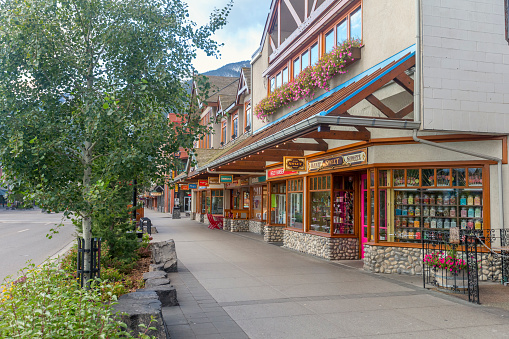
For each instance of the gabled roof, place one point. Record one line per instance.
(225, 102)
(244, 83)
(322, 109)
(221, 85)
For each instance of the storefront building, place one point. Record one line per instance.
(398, 144)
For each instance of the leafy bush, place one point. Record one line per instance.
(47, 303)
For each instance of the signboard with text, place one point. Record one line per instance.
(223, 178)
(213, 180)
(203, 182)
(193, 186)
(294, 164)
(354, 158)
(184, 187)
(279, 172)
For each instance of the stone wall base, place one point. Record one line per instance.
(327, 248)
(193, 215)
(236, 225)
(257, 227)
(382, 259)
(201, 218)
(273, 233)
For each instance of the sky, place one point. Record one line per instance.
(241, 36)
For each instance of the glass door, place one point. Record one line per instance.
(364, 212)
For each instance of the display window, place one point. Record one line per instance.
(203, 202)
(295, 203)
(259, 203)
(320, 203)
(278, 203)
(343, 220)
(217, 202)
(429, 198)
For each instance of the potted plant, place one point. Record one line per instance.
(450, 271)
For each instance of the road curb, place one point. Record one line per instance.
(63, 251)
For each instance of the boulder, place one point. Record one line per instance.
(164, 253)
(139, 308)
(154, 275)
(167, 294)
(155, 267)
(156, 282)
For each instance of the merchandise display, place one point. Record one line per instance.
(440, 209)
(343, 219)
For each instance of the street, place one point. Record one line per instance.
(23, 238)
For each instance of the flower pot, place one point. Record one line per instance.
(446, 279)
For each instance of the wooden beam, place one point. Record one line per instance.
(405, 111)
(301, 146)
(293, 12)
(380, 106)
(373, 87)
(339, 135)
(282, 151)
(406, 82)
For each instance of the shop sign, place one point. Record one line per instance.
(244, 182)
(156, 194)
(344, 160)
(213, 180)
(177, 188)
(184, 187)
(279, 172)
(203, 183)
(193, 186)
(225, 178)
(232, 184)
(258, 180)
(294, 164)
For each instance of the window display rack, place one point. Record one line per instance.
(343, 212)
(320, 212)
(441, 209)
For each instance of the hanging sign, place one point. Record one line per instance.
(203, 183)
(294, 164)
(257, 180)
(244, 182)
(213, 180)
(355, 158)
(184, 187)
(279, 172)
(234, 183)
(156, 194)
(193, 186)
(223, 178)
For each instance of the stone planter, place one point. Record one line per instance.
(448, 280)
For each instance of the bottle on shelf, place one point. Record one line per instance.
(477, 200)
(417, 199)
(478, 212)
(440, 211)
(433, 223)
(410, 199)
(471, 212)
(452, 200)
(463, 224)
(405, 199)
(470, 224)
(404, 211)
(399, 199)
(425, 199)
(478, 224)
(470, 199)
(432, 211)
(432, 200)
(463, 212)
(453, 223)
(446, 212)
(426, 222)
(425, 211)
(417, 211)
(440, 223)
(447, 223)
(411, 211)
(463, 200)
(440, 199)
(404, 222)
(417, 223)
(398, 222)
(447, 199)
(452, 212)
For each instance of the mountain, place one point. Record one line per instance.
(229, 70)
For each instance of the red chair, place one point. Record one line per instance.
(216, 222)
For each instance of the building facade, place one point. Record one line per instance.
(369, 122)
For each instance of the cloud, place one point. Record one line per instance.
(241, 36)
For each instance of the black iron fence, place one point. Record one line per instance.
(95, 264)
(457, 260)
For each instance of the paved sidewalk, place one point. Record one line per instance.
(234, 285)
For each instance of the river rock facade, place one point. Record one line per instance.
(327, 248)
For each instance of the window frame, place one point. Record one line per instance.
(247, 106)
(235, 124)
(224, 136)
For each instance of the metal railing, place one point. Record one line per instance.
(95, 260)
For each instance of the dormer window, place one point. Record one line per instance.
(223, 132)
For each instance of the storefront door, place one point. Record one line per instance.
(364, 212)
(187, 204)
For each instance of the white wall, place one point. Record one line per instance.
(465, 66)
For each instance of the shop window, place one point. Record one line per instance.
(235, 202)
(342, 32)
(217, 202)
(278, 203)
(278, 80)
(404, 211)
(245, 200)
(296, 204)
(285, 75)
(320, 205)
(305, 60)
(259, 203)
(296, 68)
(384, 178)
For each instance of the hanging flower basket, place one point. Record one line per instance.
(311, 79)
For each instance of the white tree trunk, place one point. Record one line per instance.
(87, 220)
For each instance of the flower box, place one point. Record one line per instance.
(447, 279)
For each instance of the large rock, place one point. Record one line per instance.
(139, 308)
(156, 282)
(167, 294)
(155, 267)
(164, 253)
(154, 275)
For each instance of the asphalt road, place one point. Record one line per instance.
(23, 238)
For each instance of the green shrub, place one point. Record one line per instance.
(47, 303)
